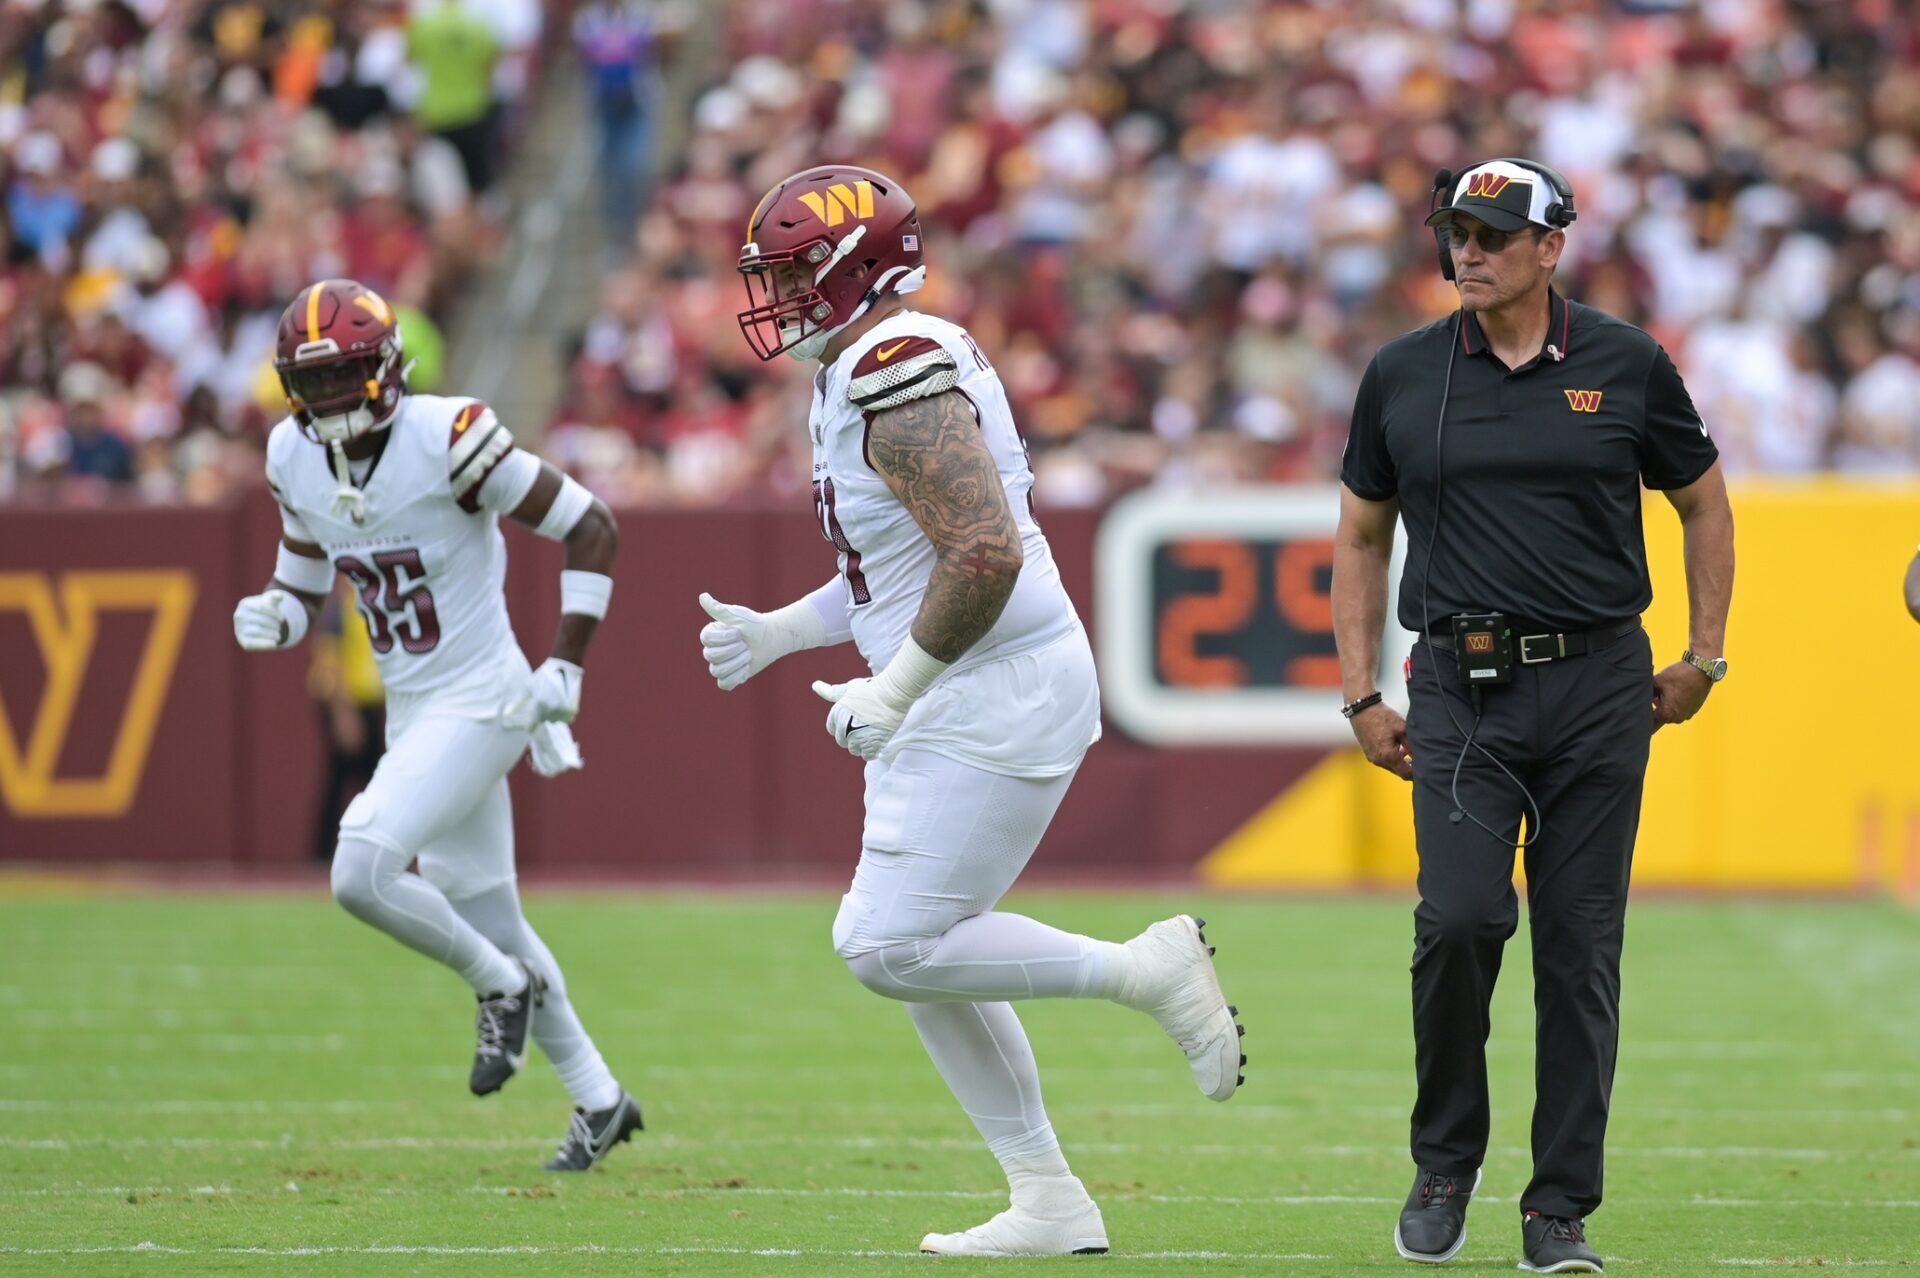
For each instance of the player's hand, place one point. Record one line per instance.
(1678, 693)
(1382, 735)
(552, 696)
(861, 721)
(554, 750)
(739, 643)
(272, 619)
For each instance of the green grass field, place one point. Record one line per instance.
(237, 1083)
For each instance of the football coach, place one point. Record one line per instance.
(1513, 437)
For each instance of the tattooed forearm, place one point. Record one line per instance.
(931, 454)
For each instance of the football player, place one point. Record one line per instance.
(402, 493)
(983, 698)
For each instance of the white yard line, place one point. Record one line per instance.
(289, 1141)
(801, 1254)
(865, 1192)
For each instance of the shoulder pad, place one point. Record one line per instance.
(891, 373)
(476, 444)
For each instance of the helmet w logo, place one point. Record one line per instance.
(1487, 185)
(1584, 401)
(840, 201)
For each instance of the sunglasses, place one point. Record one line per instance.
(1491, 241)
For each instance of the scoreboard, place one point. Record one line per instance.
(1215, 621)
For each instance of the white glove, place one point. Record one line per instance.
(273, 619)
(739, 643)
(867, 712)
(862, 720)
(553, 695)
(554, 750)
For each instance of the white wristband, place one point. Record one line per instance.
(302, 572)
(570, 505)
(910, 673)
(796, 627)
(585, 593)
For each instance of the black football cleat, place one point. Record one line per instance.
(593, 1134)
(501, 1027)
(1557, 1245)
(1433, 1224)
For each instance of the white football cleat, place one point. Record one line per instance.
(1173, 981)
(1021, 1231)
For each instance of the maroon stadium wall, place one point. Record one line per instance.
(133, 729)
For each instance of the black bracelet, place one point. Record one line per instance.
(1355, 707)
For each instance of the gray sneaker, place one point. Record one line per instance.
(1557, 1245)
(593, 1133)
(500, 1031)
(1433, 1224)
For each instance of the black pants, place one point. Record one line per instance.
(348, 772)
(1576, 731)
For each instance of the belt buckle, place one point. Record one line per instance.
(1559, 649)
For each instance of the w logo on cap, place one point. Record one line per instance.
(1487, 186)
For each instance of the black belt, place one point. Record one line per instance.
(1535, 644)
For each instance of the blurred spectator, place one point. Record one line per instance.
(455, 51)
(85, 448)
(1180, 229)
(616, 39)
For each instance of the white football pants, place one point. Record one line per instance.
(943, 842)
(439, 795)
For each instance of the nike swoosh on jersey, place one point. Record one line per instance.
(888, 352)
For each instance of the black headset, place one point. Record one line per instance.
(1560, 214)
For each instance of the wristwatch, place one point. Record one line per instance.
(1714, 668)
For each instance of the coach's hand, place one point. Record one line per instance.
(1678, 693)
(1382, 735)
(862, 721)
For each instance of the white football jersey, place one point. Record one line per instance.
(885, 558)
(429, 562)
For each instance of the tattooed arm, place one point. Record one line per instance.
(931, 454)
(932, 457)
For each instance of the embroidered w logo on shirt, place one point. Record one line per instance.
(1584, 401)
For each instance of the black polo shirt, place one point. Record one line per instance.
(1540, 516)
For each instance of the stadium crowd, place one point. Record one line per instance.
(175, 170)
(1181, 229)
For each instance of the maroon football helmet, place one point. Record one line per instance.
(338, 356)
(821, 247)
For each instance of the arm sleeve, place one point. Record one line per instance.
(830, 602)
(507, 486)
(1367, 466)
(1675, 449)
(291, 524)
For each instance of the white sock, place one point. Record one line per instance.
(371, 883)
(997, 956)
(982, 1052)
(557, 1029)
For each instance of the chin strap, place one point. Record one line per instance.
(347, 499)
(894, 281)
